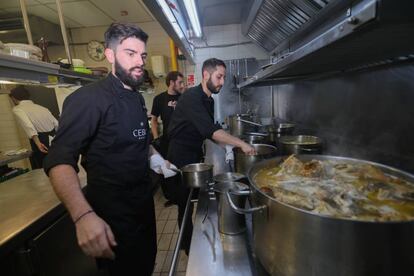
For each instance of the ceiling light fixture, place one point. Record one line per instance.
(191, 8)
(171, 18)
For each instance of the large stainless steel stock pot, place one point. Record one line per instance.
(290, 241)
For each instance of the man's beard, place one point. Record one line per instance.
(126, 75)
(212, 88)
(177, 91)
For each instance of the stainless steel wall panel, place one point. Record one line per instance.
(365, 115)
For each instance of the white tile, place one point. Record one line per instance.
(165, 240)
(167, 263)
(159, 260)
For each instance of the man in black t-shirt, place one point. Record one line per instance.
(163, 106)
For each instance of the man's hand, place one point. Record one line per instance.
(39, 144)
(42, 147)
(95, 237)
(248, 149)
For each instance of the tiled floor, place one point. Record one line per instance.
(167, 234)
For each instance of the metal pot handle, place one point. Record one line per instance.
(309, 150)
(176, 170)
(241, 210)
(249, 122)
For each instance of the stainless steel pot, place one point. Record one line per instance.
(229, 222)
(255, 138)
(197, 175)
(243, 162)
(236, 125)
(277, 130)
(300, 144)
(289, 241)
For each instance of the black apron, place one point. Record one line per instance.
(119, 190)
(36, 159)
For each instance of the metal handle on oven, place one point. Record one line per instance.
(180, 236)
(241, 210)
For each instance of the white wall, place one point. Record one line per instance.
(158, 44)
(225, 35)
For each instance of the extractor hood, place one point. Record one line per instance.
(308, 37)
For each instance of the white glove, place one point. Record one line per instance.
(159, 165)
(229, 153)
(166, 171)
(156, 162)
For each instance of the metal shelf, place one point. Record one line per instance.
(30, 71)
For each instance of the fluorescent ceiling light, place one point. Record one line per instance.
(191, 8)
(7, 82)
(17, 81)
(171, 18)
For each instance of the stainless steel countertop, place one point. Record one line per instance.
(6, 159)
(213, 253)
(24, 200)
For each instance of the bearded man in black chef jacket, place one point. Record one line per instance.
(192, 122)
(107, 123)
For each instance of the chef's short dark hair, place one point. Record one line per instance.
(172, 76)
(211, 64)
(20, 93)
(118, 32)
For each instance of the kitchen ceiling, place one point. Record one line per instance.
(90, 13)
(223, 12)
(87, 13)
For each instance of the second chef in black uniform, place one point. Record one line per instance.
(106, 122)
(192, 122)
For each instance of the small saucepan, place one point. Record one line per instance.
(196, 175)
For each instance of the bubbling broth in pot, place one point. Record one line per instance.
(339, 189)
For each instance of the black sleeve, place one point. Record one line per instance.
(77, 125)
(156, 106)
(198, 115)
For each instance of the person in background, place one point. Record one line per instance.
(37, 122)
(107, 123)
(163, 106)
(192, 122)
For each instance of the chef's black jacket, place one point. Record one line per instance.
(108, 125)
(192, 122)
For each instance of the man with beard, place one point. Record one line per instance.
(193, 122)
(107, 123)
(163, 106)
